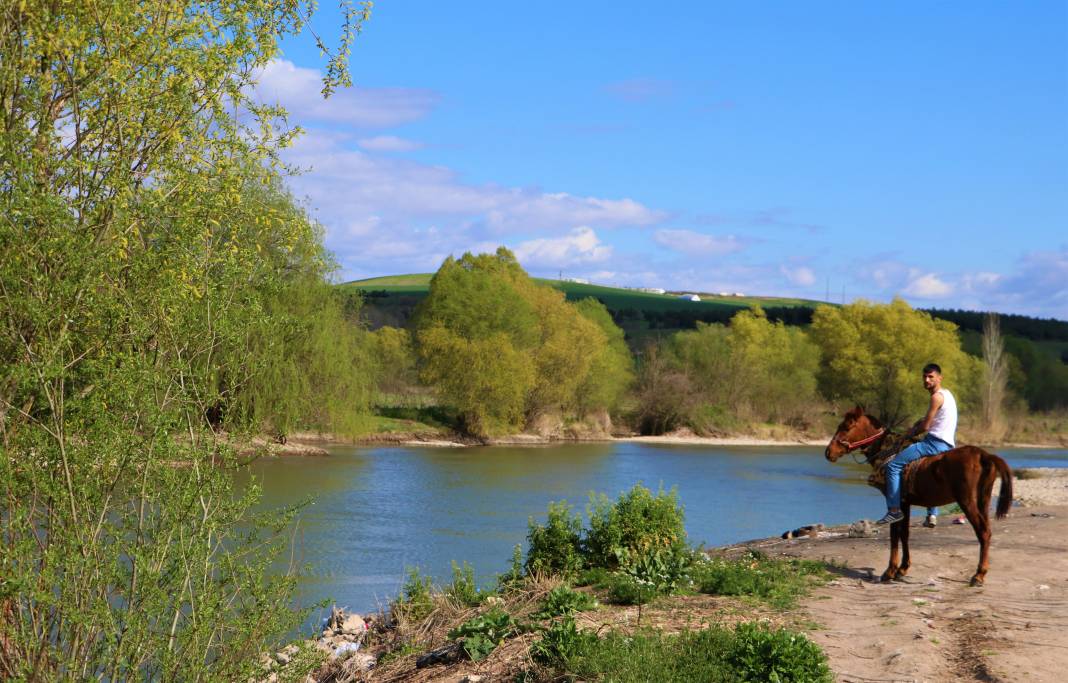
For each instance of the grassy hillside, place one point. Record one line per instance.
(613, 297)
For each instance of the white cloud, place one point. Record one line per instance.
(801, 275)
(690, 242)
(346, 184)
(298, 89)
(928, 286)
(388, 143)
(580, 246)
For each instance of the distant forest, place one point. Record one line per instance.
(1038, 345)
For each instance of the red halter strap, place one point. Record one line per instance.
(853, 445)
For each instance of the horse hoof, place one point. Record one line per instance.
(976, 581)
(887, 577)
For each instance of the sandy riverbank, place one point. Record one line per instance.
(312, 444)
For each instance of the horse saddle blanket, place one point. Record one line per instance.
(878, 476)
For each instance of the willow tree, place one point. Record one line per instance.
(132, 263)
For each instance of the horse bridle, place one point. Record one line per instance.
(854, 445)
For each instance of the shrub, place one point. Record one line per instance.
(762, 654)
(638, 522)
(555, 547)
(415, 598)
(481, 635)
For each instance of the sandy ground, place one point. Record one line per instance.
(932, 626)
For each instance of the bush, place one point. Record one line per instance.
(415, 599)
(555, 547)
(481, 635)
(762, 654)
(638, 522)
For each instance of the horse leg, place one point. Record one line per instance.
(903, 534)
(978, 515)
(891, 569)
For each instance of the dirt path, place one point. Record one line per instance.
(933, 627)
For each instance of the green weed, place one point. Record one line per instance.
(562, 601)
(481, 636)
(777, 582)
(463, 588)
(748, 653)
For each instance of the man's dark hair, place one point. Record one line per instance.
(932, 367)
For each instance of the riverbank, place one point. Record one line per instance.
(308, 443)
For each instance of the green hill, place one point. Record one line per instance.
(613, 297)
(392, 299)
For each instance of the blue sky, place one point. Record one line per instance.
(879, 149)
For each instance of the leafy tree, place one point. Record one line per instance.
(873, 354)
(146, 253)
(394, 358)
(612, 370)
(778, 364)
(503, 350)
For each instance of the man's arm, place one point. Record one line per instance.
(924, 424)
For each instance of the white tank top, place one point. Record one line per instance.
(944, 425)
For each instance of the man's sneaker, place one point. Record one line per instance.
(930, 522)
(891, 517)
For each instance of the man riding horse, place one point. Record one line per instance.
(940, 423)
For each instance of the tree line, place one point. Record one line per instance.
(506, 353)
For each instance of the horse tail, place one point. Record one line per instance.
(1005, 494)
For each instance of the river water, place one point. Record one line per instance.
(377, 511)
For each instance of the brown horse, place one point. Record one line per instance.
(964, 474)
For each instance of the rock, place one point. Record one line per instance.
(282, 658)
(344, 649)
(472, 678)
(361, 661)
(443, 655)
(353, 625)
(861, 529)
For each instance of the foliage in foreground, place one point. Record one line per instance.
(749, 652)
(649, 558)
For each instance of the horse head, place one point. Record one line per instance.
(856, 429)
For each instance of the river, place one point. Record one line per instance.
(377, 511)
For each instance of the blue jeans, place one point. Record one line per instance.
(930, 445)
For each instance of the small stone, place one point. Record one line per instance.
(345, 649)
(443, 655)
(282, 658)
(1043, 587)
(472, 678)
(353, 625)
